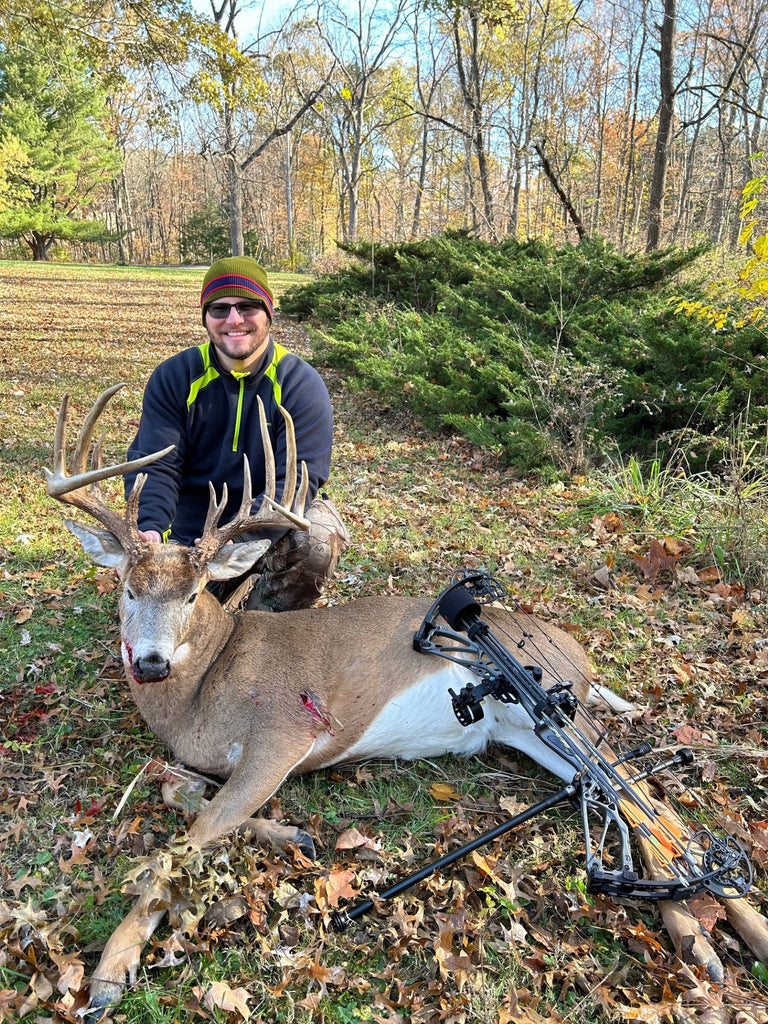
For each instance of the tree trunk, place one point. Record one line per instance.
(121, 199)
(40, 245)
(471, 89)
(289, 201)
(628, 188)
(422, 180)
(234, 184)
(664, 133)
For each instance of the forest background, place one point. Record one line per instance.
(158, 132)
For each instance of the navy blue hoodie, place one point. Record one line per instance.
(211, 415)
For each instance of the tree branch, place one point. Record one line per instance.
(564, 199)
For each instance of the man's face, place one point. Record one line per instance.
(240, 338)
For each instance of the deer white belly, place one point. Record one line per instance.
(420, 723)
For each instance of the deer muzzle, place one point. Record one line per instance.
(150, 669)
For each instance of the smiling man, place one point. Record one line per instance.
(237, 307)
(203, 400)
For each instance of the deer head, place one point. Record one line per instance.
(162, 584)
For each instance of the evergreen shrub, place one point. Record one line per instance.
(546, 355)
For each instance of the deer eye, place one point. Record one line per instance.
(192, 598)
(129, 594)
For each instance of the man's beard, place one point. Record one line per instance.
(239, 350)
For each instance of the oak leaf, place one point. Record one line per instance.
(337, 887)
(353, 838)
(221, 996)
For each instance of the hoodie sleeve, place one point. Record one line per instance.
(163, 422)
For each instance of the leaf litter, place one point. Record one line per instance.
(509, 934)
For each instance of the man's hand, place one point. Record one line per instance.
(150, 537)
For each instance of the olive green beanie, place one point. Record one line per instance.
(240, 276)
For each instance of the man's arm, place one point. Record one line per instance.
(163, 422)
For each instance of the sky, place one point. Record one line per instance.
(252, 13)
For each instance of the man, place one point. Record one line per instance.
(203, 401)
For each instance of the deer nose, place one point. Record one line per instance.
(150, 669)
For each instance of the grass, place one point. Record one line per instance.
(680, 637)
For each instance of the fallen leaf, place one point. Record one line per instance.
(221, 996)
(443, 791)
(351, 839)
(337, 887)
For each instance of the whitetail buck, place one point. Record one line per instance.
(256, 696)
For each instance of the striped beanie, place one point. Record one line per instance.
(240, 276)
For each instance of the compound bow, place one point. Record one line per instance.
(610, 798)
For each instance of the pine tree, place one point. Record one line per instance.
(52, 111)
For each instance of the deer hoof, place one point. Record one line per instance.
(103, 994)
(305, 844)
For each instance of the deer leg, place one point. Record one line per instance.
(249, 787)
(121, 956)
(230, 809)
(691, 940)
(179, 796)
(750, 924)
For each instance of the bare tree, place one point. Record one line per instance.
(666, 52)
(431, 70)
(240, 76)
(361, 39)
(468, 68)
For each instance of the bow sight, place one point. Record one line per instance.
(611, 797)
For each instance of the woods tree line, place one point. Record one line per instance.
(158, 132)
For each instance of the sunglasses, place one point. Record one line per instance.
(221, 310)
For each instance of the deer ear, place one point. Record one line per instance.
(235, 559)
(100, 545)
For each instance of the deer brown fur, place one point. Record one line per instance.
(254, 697)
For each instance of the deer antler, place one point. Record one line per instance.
(288, 513)
(80, 486)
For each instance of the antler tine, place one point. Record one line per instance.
(269, 455)
(288, 513)
(214, 510)
(289, 486)
(80, 487)
(60, 442)
(83, 445)
(59, 482)
(132, 505)
(301, 498)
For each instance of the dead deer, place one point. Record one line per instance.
(254, 697)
